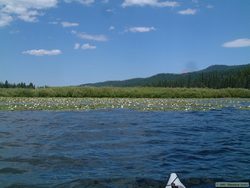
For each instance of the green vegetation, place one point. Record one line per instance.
(217, 76)
(125, 92)
(218, 81)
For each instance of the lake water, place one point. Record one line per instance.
(123, 148)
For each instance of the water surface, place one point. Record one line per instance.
(123, 148)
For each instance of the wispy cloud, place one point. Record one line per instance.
(238, 43)
(26, 10)
(87, 46)
(77, 46)
(188, 11)
(209, 6)
(53, 23)
(109, 10)
(42, 52)
(5, 20)
(84, 2)
(111, 28)
(153, 3)
(69, 24)
(86, 36)
(140, 29)
(15, 31)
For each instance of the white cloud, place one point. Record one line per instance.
(140, 29)
(77, 46)
(84, 2)
(69, 24)
(112, 28)
(99, 38)
(238, 43)
(153, 3)
(53, 23)
(87, 46)
(29, 16)
(42, 52)
(26, 10)
(5, 20)
(188, 11)
(210, 6)
(110, 10)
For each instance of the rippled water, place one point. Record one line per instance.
(123, 148)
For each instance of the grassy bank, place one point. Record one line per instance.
(129, 92)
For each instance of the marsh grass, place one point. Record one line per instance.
(126, 92)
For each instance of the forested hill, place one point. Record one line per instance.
(216, 76)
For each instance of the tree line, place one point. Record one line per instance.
(6, 84)
(215, 77)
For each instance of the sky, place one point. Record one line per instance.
(71, 42)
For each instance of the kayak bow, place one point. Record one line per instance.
(174, 182)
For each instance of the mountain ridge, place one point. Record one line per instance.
(214, 76)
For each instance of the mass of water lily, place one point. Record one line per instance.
(141, 104)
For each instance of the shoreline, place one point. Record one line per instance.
(139, 104)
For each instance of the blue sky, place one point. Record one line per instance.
(70, 42)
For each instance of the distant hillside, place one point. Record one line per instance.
(216, 76)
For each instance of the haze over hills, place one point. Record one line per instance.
(215, 76)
